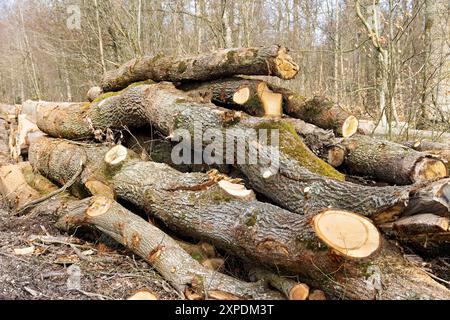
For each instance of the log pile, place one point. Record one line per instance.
(310, 227)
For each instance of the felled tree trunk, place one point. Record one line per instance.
(146, 240)
(288, 173)
(319, 110)
(252, 96)
(267, 61)
(174, 264)
(20, 185)
(258, 98)
(322, 142)
(390, 162)
(226, 215)
(439, 149)
(13, 186)
(151, 146)
(426, 145)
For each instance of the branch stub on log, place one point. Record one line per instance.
(116, 155)
(100, 205)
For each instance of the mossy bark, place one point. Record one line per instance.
(146, 240)
(318, 110)
(182, 271)
(383, 160)
(267, 61)
(194, 205)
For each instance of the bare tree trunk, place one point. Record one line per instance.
(273, 60)
(100, 36)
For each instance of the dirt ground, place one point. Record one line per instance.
(64, 267)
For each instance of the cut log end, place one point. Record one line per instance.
(347, 233)
(100, 205)
(94, 93)
(241, 96)
(350, 126)
(284, 66)
(299, 292)
(429, 169)
(116, 155)
(317, 295)
(237, 190)
(143, 295)
(272, 102)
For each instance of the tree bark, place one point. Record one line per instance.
(192, 205)
(369, 127)
(390, 162)
(258, 98)
(298, 180)
(426, 234)
(185, 273)
(426, 145)
(318, 110)
(266, 61)
(162, 252)
(442, 150)
(197, 206)
(251, 96)
(4, 143)
(290, 288)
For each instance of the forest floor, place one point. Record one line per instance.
(57, 270)
(105, 271)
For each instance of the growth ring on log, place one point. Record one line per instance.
(347, 233)
(350, 126)
(116, 155)
(299, 292)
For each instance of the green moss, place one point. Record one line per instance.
(252, 220)
(316, 106)
(197, 256)
(116, 93)
(106, 95)
(312, 244)
(293, 146)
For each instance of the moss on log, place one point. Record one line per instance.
(268, 61)
(199, 206)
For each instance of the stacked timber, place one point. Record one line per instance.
(302, 229)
